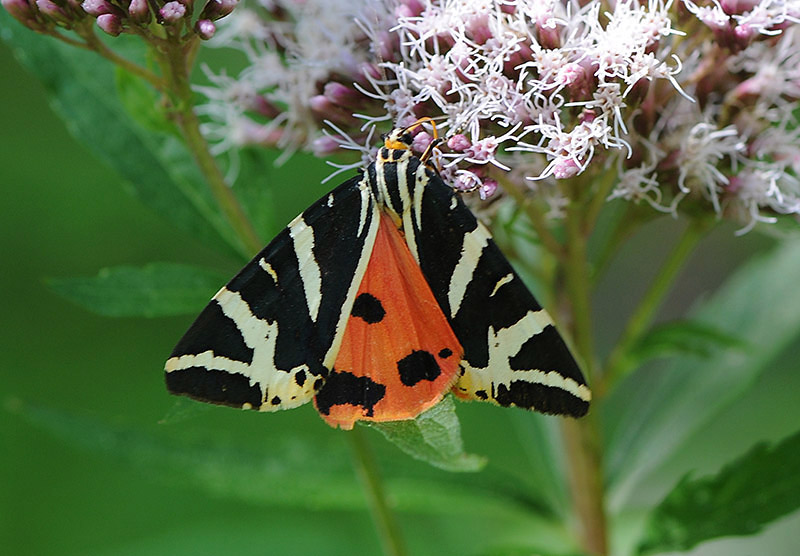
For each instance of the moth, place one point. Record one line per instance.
(378, 300)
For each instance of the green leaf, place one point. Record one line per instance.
(685, 337)
(651, 416)
(142, 102)
(155, 290)
(433, 437)
(283, 468)
(157, 166)
(747, 494)
(279, 532)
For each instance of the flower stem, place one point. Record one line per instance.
(585, 476)
(616, 366)
(176, 73)
(382, 515)
(581, 437)
(535, 216)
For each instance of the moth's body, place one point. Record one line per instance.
(300, 321)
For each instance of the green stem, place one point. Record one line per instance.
(95, 44)
(578, 286)
(581, 438)
(382, 515)
(585, 476)
(537, 219)
(176, 73)
(616, 367)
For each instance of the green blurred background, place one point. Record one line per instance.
(64, 214)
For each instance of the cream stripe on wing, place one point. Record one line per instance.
(471, 251)
(303, 237)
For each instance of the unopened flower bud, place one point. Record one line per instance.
(19, 9)
(110, 23)
(458, 143)
(172, 12)
(216, 9)
(737, 7)
(565, 168)
(487, 188)
(205, 28)
(139, 11)
(98, 7)
(53, 11)
(340, 94)
(326, 145)
(421, 142)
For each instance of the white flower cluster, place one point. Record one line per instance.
(689, 102)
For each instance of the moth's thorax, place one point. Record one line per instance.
(394, 179)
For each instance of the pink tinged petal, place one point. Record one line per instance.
(216, 9)
(172, 12)
(205, 28)
(458, 143)
(110, 23)
(139, 11)
(98, 7)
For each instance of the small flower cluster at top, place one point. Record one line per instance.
(119, 16)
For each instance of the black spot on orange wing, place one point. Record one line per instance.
(343, 388)
(368, 308)
(418, 366)
(445, 353)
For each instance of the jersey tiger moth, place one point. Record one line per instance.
(376, 301)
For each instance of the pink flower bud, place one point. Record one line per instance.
(98, 7)
(139, 11)
(172, 12)
(19, 9)
(325, 145)
(458, 143)
(421, 142)
(413, 8)
(216, 9)
(52, 10)
(110, 23)
(565, 168)
(487, 189)
(205, 28)
(341, 95)
(737, 7)
(264, 107)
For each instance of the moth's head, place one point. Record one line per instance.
(398, 138)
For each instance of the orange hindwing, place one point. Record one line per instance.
(399, 355)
